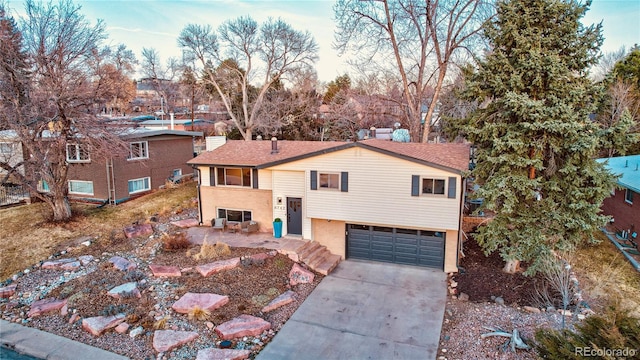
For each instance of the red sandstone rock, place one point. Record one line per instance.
(165, 340)
(122, 328)
(64, 264)
(205, 301)
(8, 291)
(186, 223)
(122, 264)
(138, 231)
(260, 256)
(300, 275)
(45, 305)
(214, 267)
(165, 271)
(97, 325)
(222, 354)
(284, 299)
(74, 318)
(243, 325)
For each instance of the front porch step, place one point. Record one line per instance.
(307, 248)
(317, 257)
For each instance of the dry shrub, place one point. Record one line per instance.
(208, 251)
(174, 242)
(161, 324)
(199, 313)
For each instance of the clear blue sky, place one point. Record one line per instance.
(157, 24)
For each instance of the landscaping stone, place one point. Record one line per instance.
(97, 325)
(463, 297)
(165, 340)
(205, 301)
(122, 328)
(531, 309)
(281, 300)
(499, 300)
(74, 318)
(217, 266)
(85, 259)
(129, 289)
(69, 264)
(186, 223)
(260, 256)
(300, 275)
(137, 331)
(165, 271)
(45, 305)
(122, 264)
(243, 325)
(8, 291)
(140, 230)
(222, 354)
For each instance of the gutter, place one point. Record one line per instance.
(199, 194)
(633, 261)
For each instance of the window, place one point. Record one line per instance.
(235, 215)
(234, 176)
(6, 148)
(43, 186)
(138, 150)
(81, 187)
(628, 196)
(77, 153)
(433, 186)
(176, 173)
(139, 185)
(329, 181)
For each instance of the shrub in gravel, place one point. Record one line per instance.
(134, 275)
(198, 313)
(175, 242)
(112, 309)
(208, 251)
(608, 335)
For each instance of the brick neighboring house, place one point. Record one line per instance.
(378, 200)
(624, 203)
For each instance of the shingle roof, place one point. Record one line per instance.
(452, 157)
(628, 167)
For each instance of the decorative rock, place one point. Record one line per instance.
(217, 266)
(64, 310)
(300, 275)
(138, 231)
(64, 264)
(205, 301)
(209, 325)
(222, 354)
(122, 264)
(85, 259)
(45, 305)
(186, 223)
(165, 271)
(86, 243)
(8, 291)
(532, 309)
(463, 297)
(243, 325)
(551, 309)
(74, 318)
(281, 300)
(165, 340)
(97, 325)
(137, 331)
(454, 284)
(122, 328)
(564, 312)
(125, 290)
(499, 300)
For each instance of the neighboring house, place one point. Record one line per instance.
(11, 152)
(175, 124)
(372, 199)
(154, 157)
(624, 203)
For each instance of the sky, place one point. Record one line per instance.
(157, 24)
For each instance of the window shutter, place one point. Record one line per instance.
(212, 176)
(255, 178)
(314, 180)
(415, 185)
(452, 188)
(344, 181)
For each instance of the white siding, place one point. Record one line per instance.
(290, 184)
(214, 142)
(264, 179)
(204, 175)
(379, 191)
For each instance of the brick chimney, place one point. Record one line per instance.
(274, 145)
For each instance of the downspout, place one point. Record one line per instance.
(462, 197)
(199, 195)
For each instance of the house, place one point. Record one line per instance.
(624, 204)
(11, 152)
(372, 199)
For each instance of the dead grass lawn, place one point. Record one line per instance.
(26, 237)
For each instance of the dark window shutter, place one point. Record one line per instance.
(415, 185)
(255, 178)
(314, 180)
(344, 181)
(212, 176)
(452, 188)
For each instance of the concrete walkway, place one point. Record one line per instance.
(366, 310)
(43, 345)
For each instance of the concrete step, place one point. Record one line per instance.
(328, 264)
(310, 255)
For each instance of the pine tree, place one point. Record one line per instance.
(536, 142)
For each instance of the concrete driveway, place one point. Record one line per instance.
(366, 310)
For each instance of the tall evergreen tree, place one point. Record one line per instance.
(536, 143)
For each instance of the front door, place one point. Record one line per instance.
(294, 216)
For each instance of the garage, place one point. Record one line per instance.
(396, 245)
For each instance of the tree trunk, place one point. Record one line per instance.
(61, 209)
(512, 266)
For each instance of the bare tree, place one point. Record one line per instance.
(415, 40)
(51, 117)
(264, 53)
(607, 62)
(619, 118)
(163, 77)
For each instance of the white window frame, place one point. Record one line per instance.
(141, 190)
(224, 176)
(78, 153)
(43, 186)
(329, 182)
(144, 145)
(80, 192)
(444, 188)
(628, 196)
(226, 211)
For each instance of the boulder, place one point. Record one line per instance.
(300, 275)
(97, 325)
(186, 223)
(205, 301)
(281, 300)
(222, 354)
(138, 231)
(45, 306)
(122, 264)
(165, 271)
(531, 309)
(8, 291)
(129, 289)
(165, 340)
(217, 266)
(463, 297)
(122, 328)
(69, 264)
(243, 325)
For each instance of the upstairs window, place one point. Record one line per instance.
(77, 153)
(433, 186)
(329, 181)
(628, 196)
(138, 150)
(234, 176)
